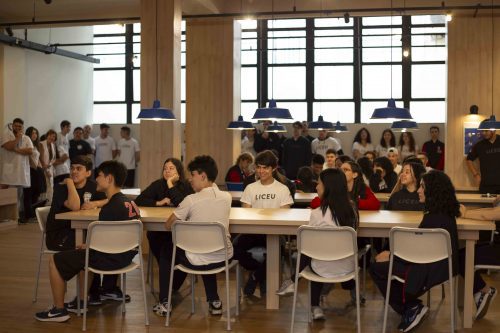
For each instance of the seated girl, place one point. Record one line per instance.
(404, 196)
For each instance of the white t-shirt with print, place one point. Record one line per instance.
(208, 205)
(15, 167)
(334, 268)
(362, 149)
(127, 149)
(274, 195)
(104, 149)
(321, 146)
(63, 168)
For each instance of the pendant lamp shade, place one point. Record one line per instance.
(404, 126)
(391, 112)
(272, 112)
(490, 124)
(240, 124)
(320, 125)
(276, 128)
(339, 128)
(156, 113)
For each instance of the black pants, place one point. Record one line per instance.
(129, 182)
(32, 193)
(209, 281)
(399, 300)
(245, 243)
(485, 254)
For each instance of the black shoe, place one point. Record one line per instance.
(484, 302)
(94, 299)
(251, 285)
(413, 317)
(115, 295)
(54, 314)
(215, 307)
(73, 306)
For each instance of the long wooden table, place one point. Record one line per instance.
(463, 198)
(303, 198)
(275, 222)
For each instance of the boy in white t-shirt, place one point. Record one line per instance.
(129, 154)
(266, 192)
(105, 146)
(207, 204)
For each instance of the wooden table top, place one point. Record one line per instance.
(298, 198)
(463, 198)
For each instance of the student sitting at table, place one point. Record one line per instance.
(63, 266)
(305, 182)
(358, 191)
(207, 204)
(384, 178)
(336, 209)
(266, 192)
(484, 254)
(317, 164)
(169, 190)
(241, 169)
(341, 160)
(437, 194)
(366, 168)
(404, 196)
(331, 156)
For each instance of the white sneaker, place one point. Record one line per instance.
(287, 288)
(162, 308)
(317, 313)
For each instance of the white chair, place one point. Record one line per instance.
(199, 238)
(114, 237)
(420, 246)
(326, 243)
(41, 215)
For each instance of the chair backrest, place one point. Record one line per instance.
(327, 243)
(199, 237)
(41, 215)
(231, 186)
(419, 245)
(114, 236)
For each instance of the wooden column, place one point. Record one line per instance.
(212, 90)
(161, 58)
(2, 86)
(469, 82)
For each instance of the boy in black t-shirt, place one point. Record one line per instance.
(488, 152)
(74, 193)
(64, 265)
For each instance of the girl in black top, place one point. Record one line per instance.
(384, 178)
(169, 190)
(441, 209)
(404, 196)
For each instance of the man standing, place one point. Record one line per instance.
(87, 131)
(324, 142)
(266, 140)
(434, 149)
(488, 152)
(62, 137)
(16, 151)
(105, 146)
(296, 152)
(129, 154)
(78, 146)
(305, 131)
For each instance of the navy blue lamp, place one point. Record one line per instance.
(156, 112)
(404, 126)
(240, 125)
(272, 112)
(490, 124)
(320, 125)
(339, 128)
(276, 128)
(391, 112)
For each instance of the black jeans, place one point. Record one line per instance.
(241, 247)
(485, 254)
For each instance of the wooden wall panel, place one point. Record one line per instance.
(2, 96)
(212, 90)
(160, 57)
(469, 82)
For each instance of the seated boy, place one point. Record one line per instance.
(66, 264)
(331, 156)
(207, 204)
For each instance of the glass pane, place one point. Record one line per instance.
(137, 27)
(429, 53)
(381, 40)
(109, 48)
(382, 20)
(110, 113)
(249, 44)
(287, 23)
(382, 31)
(334, 111)
(109, 85)
(183, 25)
(183, 59)
(294, 47)
(183, 46)
(136, 38)
(333, 42)
(332, 22)
(248, 110)
(248, 24)
(136, 108)
(110, 61)
(377, 81)
(377, 54)
(428, 81)
(137, 85)
(183, 84)
(298, 110)
(429, 30)
(288, 82)
(367, 111)
(428, 112)
(428, 40)
(248, 83)
(136, 60)
(336, 32)
(333, 82)
(333, 55)
(247, 57)
(428, 19)
(183, 112)
(109, 29)
(248, 34)
(137, 48)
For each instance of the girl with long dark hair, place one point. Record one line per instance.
(387, 140)
(404, 196)
(32, 193)
(383, 178)
(362, 143)
(359, 192)
(407, 145)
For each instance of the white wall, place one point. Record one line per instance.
(45, 89)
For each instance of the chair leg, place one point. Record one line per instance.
(443, 295)
(429, 298)
(123, 283)
(143, 285)
(364, 275)
(192, 293)
(85, 286)
(358, 314)
(452, 305)
(387, 294)
(228, 306)
(167, 320)
(38, 271)
(238, 273)
(308, 301)
(78, 309)
(150, 273)
(294, 302)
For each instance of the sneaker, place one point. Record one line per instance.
(94, 299)
(413, 317)
(287, 288)
(484, 301)
(251, 285)
(54, 314)
(162, 308)
(73, 306)
(317, 313)
(215, 307)
(115, 295)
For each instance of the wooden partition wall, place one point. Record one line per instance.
(212, 90)
(469, 82)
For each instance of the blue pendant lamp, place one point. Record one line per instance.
(404, 126)
(339, 128)
(272, 112)
(391, 111)
(276, 128)
(490, 124)
(240, 125)
(320, 125)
